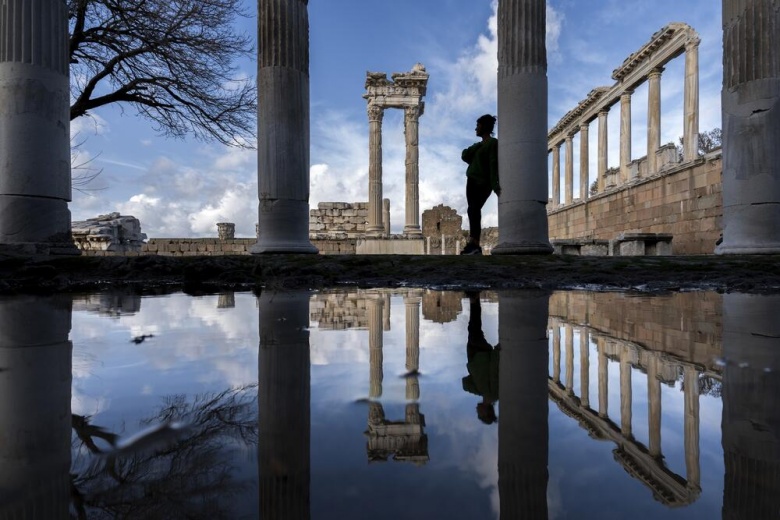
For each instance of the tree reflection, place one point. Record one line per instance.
(189, 476)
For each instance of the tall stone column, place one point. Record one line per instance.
(625, 135)
(603, 150)
(585, 368)
(374, 307)
(751, 128)
(751, 406)
(569, 359)
(603, 379)
(653, 119)
(654, 407)
(626, 394)
(556, 176)
(284, 398)
(35, 185)
(584, 161)
(556, 367)
(523, 429)
(412, 304)
(283, 127)
(691, 426)
(374, 227)
(691, 102)
(568, 182)
(411, 132)
(522, 114)
(386, 216)
(35, 415)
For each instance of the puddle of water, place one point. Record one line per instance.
(390, 404)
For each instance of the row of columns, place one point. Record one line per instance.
(35, 173)
(690, 134)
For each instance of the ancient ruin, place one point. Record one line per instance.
(112, 232)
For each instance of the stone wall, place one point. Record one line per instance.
(685, 202)
(338, 220)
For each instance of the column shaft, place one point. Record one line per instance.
(585, 368)
(626, 394)
(374, 307)
(568, 186)
(411, 131)
(603, 379)
(584, 162)
(654, 407)
(556, 368)
(412, 305)
(625, 136)
(603, 150)
(653, 120)
(374, 226)
(556, 176)
(283, 128)
(691, 128)
(691, 406)
(569, 359)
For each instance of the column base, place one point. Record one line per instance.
(375, 232)
(522, 248)
(748, 249)
(283, 227)
(282, 247)
(412, 231)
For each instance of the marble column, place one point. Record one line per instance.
(751, 406)
(35, 184)
(522, 114)
(751, 128)
(523, 429)
(556, 176)
(585, 368)
(584, 161)
(284, 415)
(411, 132)
(568, 167)
(556, 367)
(603, 150)
(625, 135)
(691, 426)
(626, 394)
(654, 407)
(35, 415)
(691, 101)
(386, 216)
(412, 304)
(374, 226)
(283, 127)
(569, 359)
(653, 119)
(603, 379)
(374, 306)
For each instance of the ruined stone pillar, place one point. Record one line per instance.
(374, 227)
(603, 379)
(585, 368)
(523, 429)
(603, 150)
(386, 216)
(654, 407)
(556, 368)
(522, 114)
(691, 426)
(691, 102)
(625, 135)
(556, 176)
(284, 397)
(751, 406)
(626, 395)
(35, 184)
(411, 132)
(283, 127)
(584, 162)
(226, 230)
(374, 306)
(386, 311)
(412, 304)
(569, 359)
(35, 413)
(568, 182)
(653, 119)
(751, 128)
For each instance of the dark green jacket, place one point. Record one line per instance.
(482, 158)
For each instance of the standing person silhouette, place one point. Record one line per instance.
(482, 363)
(481, 179)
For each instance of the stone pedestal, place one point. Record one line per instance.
(751, 128)
(283, 128)
(522, 117)
(35, 185)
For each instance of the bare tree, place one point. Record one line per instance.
(174, 61)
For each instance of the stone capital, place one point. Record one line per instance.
(375, 113)
(656, 72)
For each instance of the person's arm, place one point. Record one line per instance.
(469, 153)
(494, 168)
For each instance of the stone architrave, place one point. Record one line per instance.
(522, 115)
(751, 128)
(35, 185)
(405, 91)
(283, 127)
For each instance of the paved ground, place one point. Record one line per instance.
(755, 274)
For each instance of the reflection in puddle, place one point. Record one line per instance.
(390, 404)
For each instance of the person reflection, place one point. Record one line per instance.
(482, 365)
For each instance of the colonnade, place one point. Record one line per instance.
(645, 65)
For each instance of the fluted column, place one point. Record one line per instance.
(691, 425)
(556, 368)
(751, 127)
(386, 311)
(412, 304)
(691, 102)
(751, 406)
(626, 394)
(654, 407)
(603, 150)
(522, 114)
(374, 307)
(653, 119)
(283, 127)
(625, 135)
(374, 226)
(523, 429)
(35, 416)
(411, 131)
(35, 185)
(569, 359)
(603, 379)
(568, 166)
(284, 405)
(386, 216)
(585, 368)
(556, 176)
(584, 161)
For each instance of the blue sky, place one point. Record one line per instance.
(182, 188)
